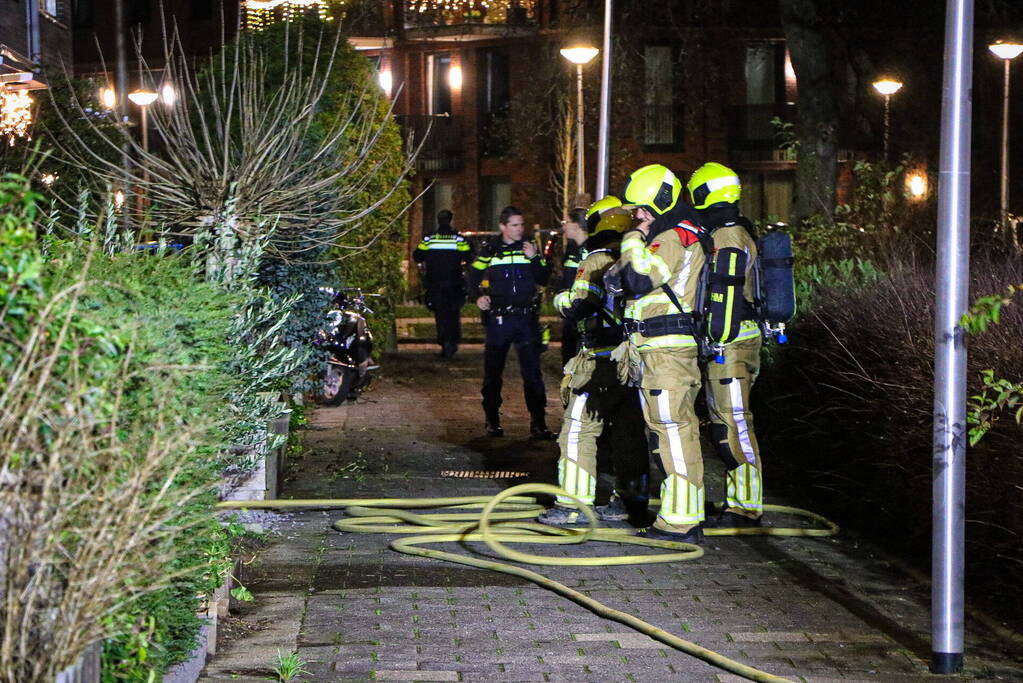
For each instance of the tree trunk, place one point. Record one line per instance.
(817, 157)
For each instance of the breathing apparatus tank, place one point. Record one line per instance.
(775, 285)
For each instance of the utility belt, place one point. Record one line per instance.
(514, 310)
(662, 325)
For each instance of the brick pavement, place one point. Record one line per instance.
(813, 610)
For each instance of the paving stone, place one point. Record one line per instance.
(417, 676)
(841, 617)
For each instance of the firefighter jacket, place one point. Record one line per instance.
(444, 254)
(660, 273)
(505, 274)
(586, 302)
(574, 254)
(730, 314)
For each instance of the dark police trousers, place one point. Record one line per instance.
(522, 330)
(446, 303)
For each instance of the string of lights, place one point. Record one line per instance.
(490, 11)
(259, 14)
(15, 114)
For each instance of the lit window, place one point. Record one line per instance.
(51, 7)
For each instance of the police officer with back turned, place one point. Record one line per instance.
(504, 279)
(444, 255)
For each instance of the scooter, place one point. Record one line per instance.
(347, 338)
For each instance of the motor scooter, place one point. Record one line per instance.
(348, 340)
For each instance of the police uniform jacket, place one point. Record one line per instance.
(444, 254)
(504, 273)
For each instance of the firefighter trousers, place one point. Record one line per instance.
(597, 401)
(728, 388)
(669, 383)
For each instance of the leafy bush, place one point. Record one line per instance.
(116, 465)
(846, 411)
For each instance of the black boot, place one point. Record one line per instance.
(493, 425)
(538, 429)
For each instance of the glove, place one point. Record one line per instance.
(613, 281)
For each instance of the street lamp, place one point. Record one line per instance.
(1006, 52)
(579, 56)
(144, 98)
(887, 87)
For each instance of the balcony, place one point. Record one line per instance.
(468, 19)
(441, 140)
(753, 138)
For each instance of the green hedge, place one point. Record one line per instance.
(173, 319)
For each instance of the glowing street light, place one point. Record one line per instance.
(887, 87)
(580, 56)
(1005, 51)
(168, 94)
(385, 79)
(108, 98)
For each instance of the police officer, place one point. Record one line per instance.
(444, 254)
(659, 270)
(504, 280)
(574, 230)
(596, 398)
(731, 326)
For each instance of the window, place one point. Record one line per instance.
(51, 7)
(496, 90)
(438, 197)
(767, 196)
(81, 13)
(439, 67)
(496, 195)
(662, 120)
(765, 69)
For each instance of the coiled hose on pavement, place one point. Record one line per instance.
(501, 521)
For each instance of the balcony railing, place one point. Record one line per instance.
(429, 13)
(750, 127)
(438, 138)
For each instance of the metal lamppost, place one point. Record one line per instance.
(1006, 51)
(579, 56)
(605, 105)
(143, 98)
(887, 87)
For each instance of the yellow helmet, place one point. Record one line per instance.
(617, 219)
(607, 214)
(653, 187)
(714, 183)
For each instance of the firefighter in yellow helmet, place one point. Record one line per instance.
(735, 336)
(595, 399)
(659, 271)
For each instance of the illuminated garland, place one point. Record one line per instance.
(15, 114)
(259, 14)
(491, 11)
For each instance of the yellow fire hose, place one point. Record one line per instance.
(392, 516)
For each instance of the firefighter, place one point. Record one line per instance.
(574, 230)
(504, 279)
(444, 255)
(659, 271)
(596, 399)
(731, 326)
